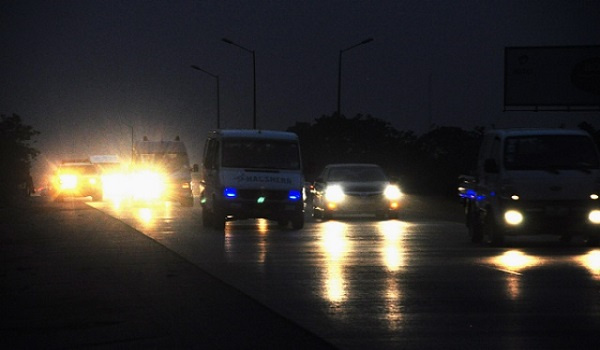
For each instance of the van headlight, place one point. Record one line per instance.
(68, 181)
(594, 216)
(392, 192)
(513, 217)
(334, 193)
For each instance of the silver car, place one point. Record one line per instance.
(355, 189)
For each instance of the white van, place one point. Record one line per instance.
(534, 181)
(161, 169)
(252, 174)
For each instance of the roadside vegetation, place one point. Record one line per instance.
(16, 156)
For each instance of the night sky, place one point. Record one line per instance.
(85, 73)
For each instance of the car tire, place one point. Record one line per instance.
(316, 213)
(474, 226)
(493, 231)
(187, 202)
(218, 219)
(298, 221)
(206, 217)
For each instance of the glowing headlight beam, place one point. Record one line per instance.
(392, 192)
(513, 217)
(334, 193)
(68, 181)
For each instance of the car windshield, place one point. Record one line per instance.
(261, 154)
(357, 174)
(550, 152)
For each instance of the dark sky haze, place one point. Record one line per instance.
(84, 72)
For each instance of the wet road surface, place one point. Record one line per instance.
(415, 282)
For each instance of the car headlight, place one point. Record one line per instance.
(148, 185)
(334, 193)
(392, 192)
(68, 181)
(594, 216)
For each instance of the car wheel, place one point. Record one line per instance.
(494, 232)
(218, 219)
(206, 217)
(316, 213)
(298, 221)
(187, 202)
(474, 226)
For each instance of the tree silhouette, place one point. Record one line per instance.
(16, 155)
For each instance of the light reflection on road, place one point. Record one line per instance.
(335, 245)
(360, 271)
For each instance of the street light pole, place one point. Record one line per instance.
(339, 92)
(218, 93)
(253, 74)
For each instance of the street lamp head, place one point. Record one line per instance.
(195, 67)
(366, 41)
(227, 41)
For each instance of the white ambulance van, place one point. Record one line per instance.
(534, 181)
(249, 174)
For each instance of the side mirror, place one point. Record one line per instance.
(490, 166)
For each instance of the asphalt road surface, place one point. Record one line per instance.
(412, 283)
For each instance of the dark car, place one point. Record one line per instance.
(77, 179)
(355, 189)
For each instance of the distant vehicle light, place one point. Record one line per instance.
(513, 217)
(392, 192)
(594, 216)
(334, 193)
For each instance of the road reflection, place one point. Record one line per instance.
(336, 246)
(516, 262)
(393, 246)
(591, 261)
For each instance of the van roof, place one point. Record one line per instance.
(255, 133)
(160, 147)
(537, 131)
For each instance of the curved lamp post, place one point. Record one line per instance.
(218, 98)
(253, 73)
(339, 92)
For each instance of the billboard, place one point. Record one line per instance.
(557, 78)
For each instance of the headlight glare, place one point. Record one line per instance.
(392, 192)
(334, 193)
(594, 216)
(513, 217)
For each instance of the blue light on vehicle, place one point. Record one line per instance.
(230, 192)
(294, 195)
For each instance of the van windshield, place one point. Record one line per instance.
(261, 154)
(550, 152)
(167, 161)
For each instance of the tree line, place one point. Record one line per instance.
(16, 156)
(428, 164)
